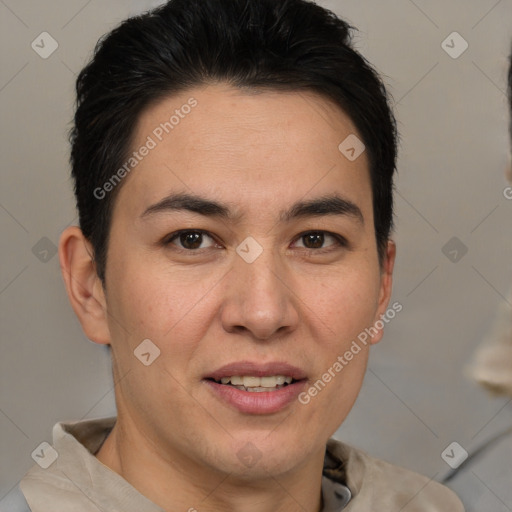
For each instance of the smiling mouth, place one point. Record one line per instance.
(254, 384)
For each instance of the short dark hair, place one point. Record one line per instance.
(284, 45)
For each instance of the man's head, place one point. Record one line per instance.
(249, 154)
(254, 46)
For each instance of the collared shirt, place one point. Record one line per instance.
(75, 480)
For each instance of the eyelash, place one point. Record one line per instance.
(340, 241)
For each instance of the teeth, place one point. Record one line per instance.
(269, 382)
(251, 382)
(255, 383)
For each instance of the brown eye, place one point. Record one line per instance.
(191, 240)
(320, 240)
(313, 240)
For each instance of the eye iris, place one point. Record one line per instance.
(313, 240)
(191, 239)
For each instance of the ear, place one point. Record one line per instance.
(386, 284)
(84, 287)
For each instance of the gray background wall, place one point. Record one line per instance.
(454, 128)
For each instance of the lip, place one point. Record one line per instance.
(246, 368)
(265, 402)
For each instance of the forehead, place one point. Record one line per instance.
(253, 150)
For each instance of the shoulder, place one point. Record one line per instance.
(377, 484)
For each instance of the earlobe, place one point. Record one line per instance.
(83, 286)
(386, 285)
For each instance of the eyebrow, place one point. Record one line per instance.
(326, 205)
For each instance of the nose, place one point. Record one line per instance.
(259, 299)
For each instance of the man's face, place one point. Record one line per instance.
(296, 293)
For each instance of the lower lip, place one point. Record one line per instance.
(264, 402)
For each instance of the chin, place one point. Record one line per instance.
(260, 457)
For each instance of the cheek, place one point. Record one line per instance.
(150, 300)
(339, 308)
(344, 302)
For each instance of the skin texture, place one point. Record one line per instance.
(257, 153)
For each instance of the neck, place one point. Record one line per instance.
(174, 482)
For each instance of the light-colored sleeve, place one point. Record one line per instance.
(492, 362)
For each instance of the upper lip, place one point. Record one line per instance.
(249, 368)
